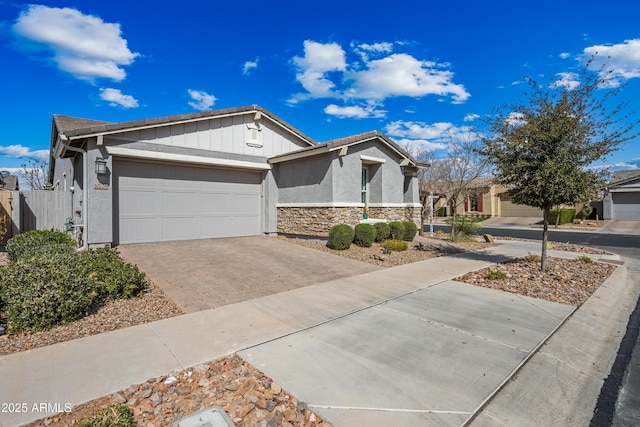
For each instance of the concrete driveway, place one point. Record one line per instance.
(210, 273)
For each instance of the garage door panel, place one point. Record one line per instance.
(245, 203)
(179, 228)
(217, 202)
(139, 202)
(179, 202)
(140, 230)
(626, 206)
(160, 202)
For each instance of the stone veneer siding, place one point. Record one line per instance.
(317, 221)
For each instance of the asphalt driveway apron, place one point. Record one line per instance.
(210, 273)
(429, 358)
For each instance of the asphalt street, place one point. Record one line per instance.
(619, 401)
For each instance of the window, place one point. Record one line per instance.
(365, 187)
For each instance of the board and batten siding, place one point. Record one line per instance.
(226, 134)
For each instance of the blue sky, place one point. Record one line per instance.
(421, 72)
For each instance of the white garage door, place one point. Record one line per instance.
(626, 206)
(508, 208)
(162, 202)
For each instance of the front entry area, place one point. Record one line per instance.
(159, 202)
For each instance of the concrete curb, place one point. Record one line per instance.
(560, 383)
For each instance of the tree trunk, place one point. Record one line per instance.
(557, 216)
(545, 232)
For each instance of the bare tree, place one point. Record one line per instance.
(34, 174)
(454, 175)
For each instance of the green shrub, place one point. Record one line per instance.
(44, 291)
(364, 235)
(395, 245)
(410, 231)
(110, 416)
(37, 242)
(585, 259)
(396, 230)
(39, 292)
(566, 216)
(382, 231)
(110, 276)
(462, 228)
(495, 275)
(341, 236)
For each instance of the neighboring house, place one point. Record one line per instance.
(482, 197)
(232, 172)
(9, 183)
(622, 198)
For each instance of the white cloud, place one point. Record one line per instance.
(471, 117)
(116, 98)
(82, 45)
(417, 146)
(25, 152)
(568, 80)
(515, 119)
(201, 100)
(313, 68)
(401, 74)
(377, 47)
(248, 66)
(354, 111)
(564, 55)
(324, 72)
(419, 136)
(622, 58)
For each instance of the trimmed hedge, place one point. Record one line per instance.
(395, 245)
(396, 230)
(44, 291)
(566, 216)
(410, 231)
(38, 242)
(364, 235)
(341, 236)
(382, 231)
(51, 288)
(111, 277)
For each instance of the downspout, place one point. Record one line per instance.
(58, 153)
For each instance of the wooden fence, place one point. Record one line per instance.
(6, 214)
(44, 210)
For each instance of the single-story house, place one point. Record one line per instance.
(622, 197)
(482, 197)
(232, 172)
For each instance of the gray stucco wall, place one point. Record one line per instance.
(386, 179)
(100, 208)
(307, 180)
(333, 179)
(269, 203)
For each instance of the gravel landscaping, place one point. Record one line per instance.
(246, 394)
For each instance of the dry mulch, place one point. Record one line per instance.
(565, 281)
(246, 394)
(431, 248)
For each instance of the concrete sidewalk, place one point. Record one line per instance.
(403, 346)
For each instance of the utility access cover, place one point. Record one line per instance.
(210, 417)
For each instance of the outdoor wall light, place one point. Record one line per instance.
(101, 166)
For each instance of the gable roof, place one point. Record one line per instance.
(336, 144)
(9, 183)
(624, 177)
(75, 128)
